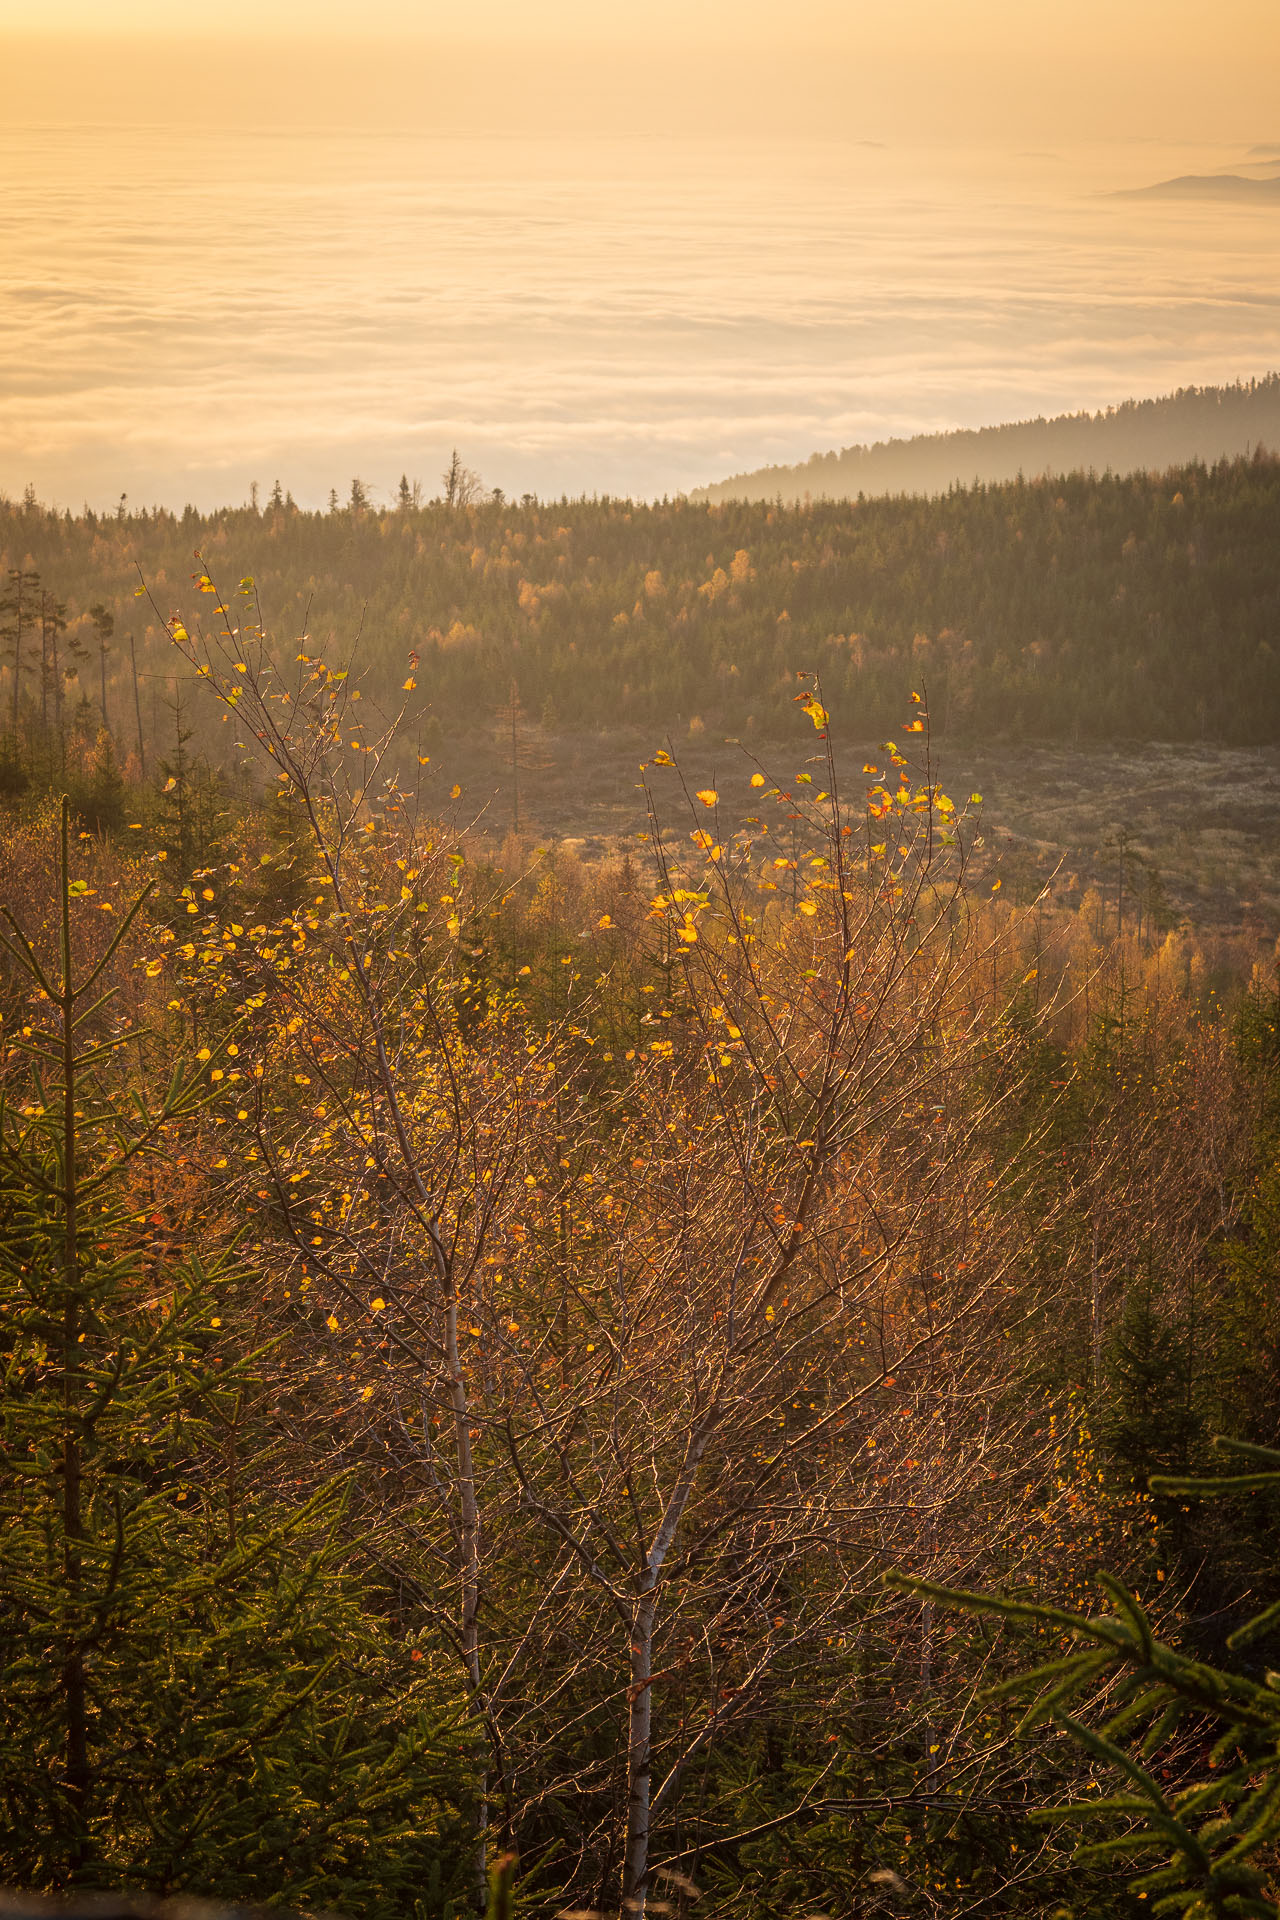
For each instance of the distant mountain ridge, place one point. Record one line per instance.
(1207, 186)
(1195, 423)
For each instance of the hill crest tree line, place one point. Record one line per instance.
(1205, 423)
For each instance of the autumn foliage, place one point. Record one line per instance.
(538, 1303)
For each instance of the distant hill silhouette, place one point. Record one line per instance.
(1207, 186)
(1196, 423)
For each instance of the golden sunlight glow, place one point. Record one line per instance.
(1168, 69)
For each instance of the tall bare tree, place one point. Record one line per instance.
(461, 485)
(648, 1363)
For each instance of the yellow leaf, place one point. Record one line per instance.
(662, 759)
(423, 759)
(410, 684)
(178, 631)
(455, 792)
(997, 886)
(816, 712)
(708, 796)
(604, 921)
(332, 1323)
(757, 779)
(169, 785)
(975, 799)
(378, 1306)
(807, 906)
(914, 726)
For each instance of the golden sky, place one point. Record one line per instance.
(1187, 26)
(979, 70)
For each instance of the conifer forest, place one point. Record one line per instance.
(731, 1370)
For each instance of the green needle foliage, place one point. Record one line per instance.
(1214, 1729)
(194, 1695)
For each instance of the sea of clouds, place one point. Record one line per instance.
(184, 311)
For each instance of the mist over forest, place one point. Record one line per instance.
(639, 960)
(1195, 424)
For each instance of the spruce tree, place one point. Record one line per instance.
(1192, 1746)
(195, 1695)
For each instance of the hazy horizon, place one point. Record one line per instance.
(994, 69)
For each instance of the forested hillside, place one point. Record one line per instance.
(478, 1332)
(1077, 610)
(1196, 423)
